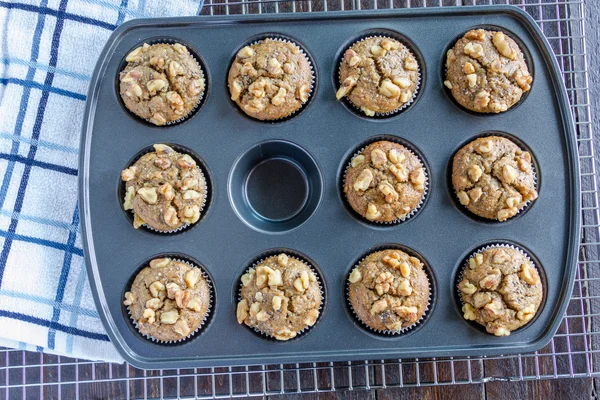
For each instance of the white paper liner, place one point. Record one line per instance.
(535, 181)
(403, 106)
(204, 319)
(193, 109)
(318, 280)
(388, 332)
(425, 185)
(202, 205)
(310, 88)
(482, 249)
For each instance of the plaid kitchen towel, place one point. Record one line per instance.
(48, 49)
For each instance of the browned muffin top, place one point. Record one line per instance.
(385, 182)
(493, 177)
(501, 290)
(161, 83)
(487, 72)
(389, 290)
(280, 297)
(169, 299)
(378, 75)
(270, 80)
(165, 189)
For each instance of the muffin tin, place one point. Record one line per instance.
(302, 159)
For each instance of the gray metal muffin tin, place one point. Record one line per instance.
(318, 142)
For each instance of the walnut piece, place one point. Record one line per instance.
(156, 288)
(372, 212)
(528, 274)
(469, 312)
(378, 306)
(355, 276)
(150, 315)
(192, 277)
(356, 161)
(363, 181)
(467, 287)
(149, 195)
(169, 317)
(503, 46)
(129, 299)
(242, 311)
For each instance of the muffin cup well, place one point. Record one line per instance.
(499, 244)
(299, 257)
(201, 66)
(383, 34)
(413, 150)
(284, 39)
(206, 317)
(200, 166)
(428, 306)
(534, 167)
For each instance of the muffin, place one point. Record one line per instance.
(493, 178)
(378, 75)
(161, 83)
(500, 289)
(486, 71)
(169, 300)
(270, 80)
(279, 297)
(385, 182)
(389, 291)
(165, 189)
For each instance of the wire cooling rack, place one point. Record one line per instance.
(572, 352)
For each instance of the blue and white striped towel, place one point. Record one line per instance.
(48, 50)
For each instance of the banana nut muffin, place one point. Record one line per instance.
(385, 182)
(165, 189)
(501, 290)
(169, 300)
(270, 80)
(161, 83)
(389, 290)
(280, 297)
(486, 71)
(378, 75)
(493, 178)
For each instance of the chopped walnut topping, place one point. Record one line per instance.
(529, 275)
(384, 282)
(469, 312)
(355, 276)
(378, 306)
(363, 181)
(129, 299)
(467, 287)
